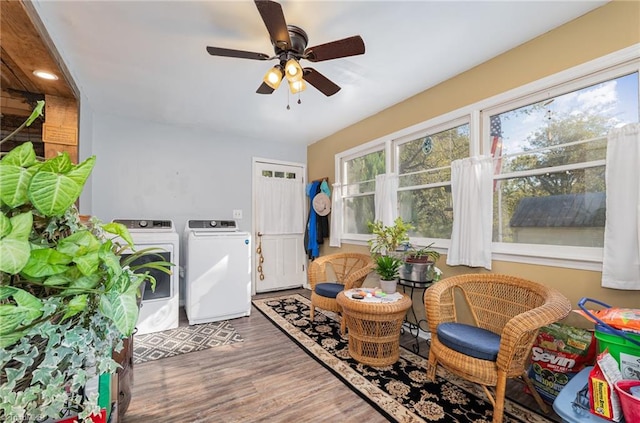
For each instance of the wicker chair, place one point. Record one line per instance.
(508, 311)
(350, 270)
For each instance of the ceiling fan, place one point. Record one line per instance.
(290, 46)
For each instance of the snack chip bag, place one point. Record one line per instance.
(627, 319)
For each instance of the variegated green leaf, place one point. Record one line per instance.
(10, 339)
(75, 306)
(122, 309)
(120, 230)
(81, 172)
(51, 191)
(14, 247)
(28, 303)
(14, 255)
(21, 226)
(111, 261)
(82, 284)
(5, 226)
(26, 309)
(23, 156)
(88, 264)
(10, 318)
(79, 244)
(61, 279)
(14, 184)
(52, 194)
(45, 262)
(60, 164)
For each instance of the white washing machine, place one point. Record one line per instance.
(217, 271)
(160, 308)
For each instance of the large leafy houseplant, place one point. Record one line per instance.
(66, 297)
(387, 238)
(384, 246)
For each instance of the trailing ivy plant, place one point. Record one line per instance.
(66, 296)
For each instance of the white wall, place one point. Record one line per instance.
(147, 170)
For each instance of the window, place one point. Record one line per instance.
(358, 187)
(550, 164)
(549, 143)
(424, 169)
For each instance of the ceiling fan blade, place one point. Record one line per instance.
(264, 89)
(351, 46)
(226, 52)
(321, 82)
(275, 22)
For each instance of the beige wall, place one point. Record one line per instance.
(605, 30)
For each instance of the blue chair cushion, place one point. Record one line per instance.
(470, 340)
(329, 289)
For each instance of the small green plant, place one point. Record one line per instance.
(422, 254)
(388, 238)
(387, 267)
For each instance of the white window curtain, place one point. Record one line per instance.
(386, 198)
(281, 206)
(621, 259)
(336, 216)
(471, 191)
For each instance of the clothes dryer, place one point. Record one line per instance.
(159, 309)
(217, 271)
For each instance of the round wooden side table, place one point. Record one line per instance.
(374, 328)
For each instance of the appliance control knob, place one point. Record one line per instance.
(213, 223)
(143, 223)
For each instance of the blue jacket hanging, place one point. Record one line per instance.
(311, 236)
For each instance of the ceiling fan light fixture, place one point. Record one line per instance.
(297, 86)
(274, 77)
(293, 70)
(289, 48)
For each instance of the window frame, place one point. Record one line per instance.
(340, 163)
(585, 258)
(434, 126)
(610, 66)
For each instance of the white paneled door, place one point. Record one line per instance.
(279, 221)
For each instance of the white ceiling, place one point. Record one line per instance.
(147, 59)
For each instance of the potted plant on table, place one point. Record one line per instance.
(419, 264)
(384, 250)
(387, 267)
(388, 238)
(66, 297)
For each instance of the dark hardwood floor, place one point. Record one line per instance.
(266, 378)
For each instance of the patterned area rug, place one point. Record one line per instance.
(401, 391)
(182, 340)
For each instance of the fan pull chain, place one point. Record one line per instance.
(260, 257)
(299, 100)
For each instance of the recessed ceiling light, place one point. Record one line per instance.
(45, 75)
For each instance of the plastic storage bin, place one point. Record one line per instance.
(622, 345)
(572, 403)
(630, 404)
